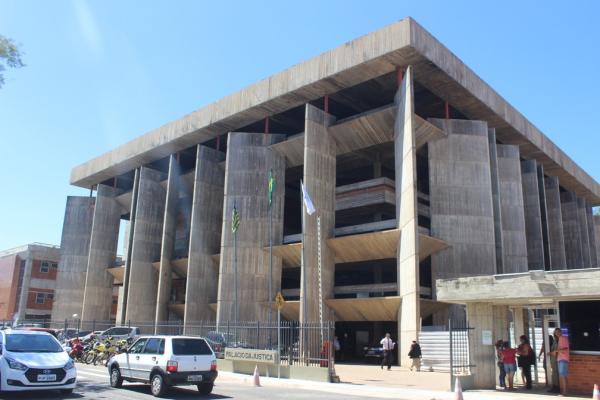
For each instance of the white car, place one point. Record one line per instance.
(32, 360)
(165, 361)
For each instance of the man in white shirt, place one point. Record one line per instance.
(388, 347)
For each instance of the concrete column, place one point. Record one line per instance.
(556, 239)
(520, 324)
(533, 215)
(481, 319)
(97, 299)
(514, 239)
(544, 216)
(165, 273)
(145, 247)
(597, 235)
(405, 156)
(592, 235)
(319, 180)
(496, 198)
(24, 295)
(501, 323)
(249, 160)
(74, 252)
(205, 236)
(583, 232)
(572, 233)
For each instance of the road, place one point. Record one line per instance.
(93, 384)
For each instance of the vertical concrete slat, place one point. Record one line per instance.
(544, 217)
(165, 273)
(572, 232)
(249, 159)
(481, 318)
(405, 155)
(533, 215)
(205, 236)
(319, 180)
(146, 246)
(496, 198)
(25, 284)
(97, 299)
(597, 234)
(583, 232)
(592, 236)
(74, 252)
(514, 239)
(556, 239)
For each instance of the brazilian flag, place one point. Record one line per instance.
(271, 187)
(235, 219)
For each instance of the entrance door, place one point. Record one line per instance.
(551, 322)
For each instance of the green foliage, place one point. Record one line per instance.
(10, 56)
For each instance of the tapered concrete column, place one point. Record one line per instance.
(544, 217)
(514, 240)
(481, 320)
(556, 239)
(520, 323)
(583, 232)
(533, 215)
(74, 252)
(145, 247)
(24, 295)
(496, 198)
(205, 236)
(249, 160)
(592, 235)
(572, 232)
(319, 179)
(97, 299)
(165, 274)
(501, 323)
(409, 318)
(597, 234)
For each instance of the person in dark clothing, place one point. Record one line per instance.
(526, 359)
(415, 356)
(502, 375)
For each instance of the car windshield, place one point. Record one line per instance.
(190, 347)
(23, 343)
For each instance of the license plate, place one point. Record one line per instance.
(194, 378)
(46, 378)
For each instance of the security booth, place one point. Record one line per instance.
(492, 300)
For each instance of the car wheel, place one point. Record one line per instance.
(157, 385)
(66, 391)
(116, 380)
(206, 388)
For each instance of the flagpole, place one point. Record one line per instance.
(302, 261)
(235, 273)
(270, 250)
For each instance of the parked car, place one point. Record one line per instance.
(34, 360)
(119, 333)
(53, 332)
(165, 361)
(374, 351)
(219, 340)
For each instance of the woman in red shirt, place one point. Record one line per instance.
(509, 359)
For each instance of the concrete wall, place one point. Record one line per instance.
(146, 246)
(481, 318)
(75, 247)
(572, 231)
(205, 236)
(556, 238)
(248, 162)
(533, 215)
(97, 300)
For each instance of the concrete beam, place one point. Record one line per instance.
(533, 215)
(97, 299)
(74, 252)
(205, 236)
(556, 238)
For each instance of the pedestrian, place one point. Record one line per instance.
(526, 360)
(509, 360)
(336, 347)
(553, 340)
(415, 356)
(388, 347)
(562, 357)
(502, 375)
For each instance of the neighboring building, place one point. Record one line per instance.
(28, 281)
(421, 175)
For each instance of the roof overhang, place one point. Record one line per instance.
(360, 60)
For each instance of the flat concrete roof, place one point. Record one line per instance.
(368, 57)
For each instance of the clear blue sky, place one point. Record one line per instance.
(100, 73)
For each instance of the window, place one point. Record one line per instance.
(153, 346)
(190, 347)
(45, 267)
(580, 320)
(49, 296)
(40, 298)
(138, 346)
(117, 331)
(54, 265)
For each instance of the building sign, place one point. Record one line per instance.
(261, 356)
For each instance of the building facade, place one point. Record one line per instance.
(418, 170)
(28, 281)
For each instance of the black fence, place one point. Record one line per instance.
(460, 359)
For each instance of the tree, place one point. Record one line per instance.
(10, 56)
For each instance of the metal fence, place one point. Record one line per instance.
(460, 360)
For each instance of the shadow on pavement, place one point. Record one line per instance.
(174, 393)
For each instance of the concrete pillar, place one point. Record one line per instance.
(167, 250)
(556, 239)
(496, 198)
(319, 180)
(583, 232)
(592, 236)
(24, 295)
(481, 320)
(205, 236)
(501, 323)
(520, 324)
(514, 239)
(74, 251)
(249, 160)
(572, 232)
(533, 215)
(405, 156)
(597, 235)
(544, 216)
(145, 247)
(97, 299)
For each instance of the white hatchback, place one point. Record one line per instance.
(32, 360)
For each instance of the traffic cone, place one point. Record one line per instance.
(596, 395)
(458, 395)
(256, 377)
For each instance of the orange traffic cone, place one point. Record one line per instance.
(256, 377)
(596, 395)
(458, 395)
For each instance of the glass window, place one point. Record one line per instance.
(49, 296)
(190, 347)
(54, 265)
(117, 331)
(161, 347)
(152, 346)
(45, 267)
(30, 343)
(40, 298)
(580, 321)
(138, 346)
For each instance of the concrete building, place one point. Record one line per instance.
(420, 173)
(28, 281)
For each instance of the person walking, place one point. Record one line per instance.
(553, 341)
(502, 374)
(509, 360)
(526, 359)
(415, 356)
(562, 357)
(388, 347)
